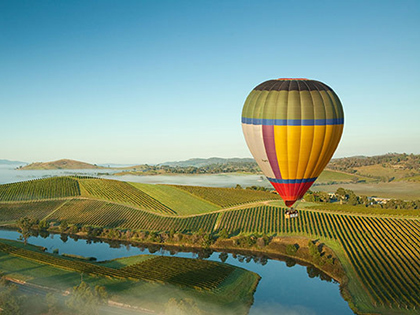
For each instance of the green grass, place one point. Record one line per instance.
(182, 202)
(380, 253)
(360, 209)
(395, 189)
(228, 197)
(330, 176)
(378, 171)
(411, 179)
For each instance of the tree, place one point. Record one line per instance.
(52, 303)
(342, 193)
(9, 302)
(223, 257)
(353, 199)
(291, 249)
(84, 300)
(63, 226)
(25, 225)
(223, 234)
(171, 233)
(43, 225)
(323, 196)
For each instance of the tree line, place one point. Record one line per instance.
(347, 196)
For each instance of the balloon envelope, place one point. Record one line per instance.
(292, 128)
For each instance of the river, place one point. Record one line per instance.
(282, 289)
(9, 174)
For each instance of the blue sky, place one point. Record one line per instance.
(154, 81)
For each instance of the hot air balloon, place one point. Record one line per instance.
(292, 128)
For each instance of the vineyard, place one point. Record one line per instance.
(48, 188)
(121, 192)
(161, 199)
(182, 271)
(177, 199)
(380, 253)
(34, 209)
(110, 215)
(193, 273)
(228, 197)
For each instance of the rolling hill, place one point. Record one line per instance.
(198, 162)
(380, 252)
(384, 168)
(64, 164)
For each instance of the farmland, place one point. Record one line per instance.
(131, 280)
(394, 189)
(380, 252)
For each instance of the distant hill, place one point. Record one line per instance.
(8, 162)
(198, 162)
(386, 168)
(64, 164)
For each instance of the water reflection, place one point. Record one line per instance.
(285, 284)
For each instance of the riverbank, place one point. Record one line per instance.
(321, 262)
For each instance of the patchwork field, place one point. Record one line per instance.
(132, 280)
(380, 251)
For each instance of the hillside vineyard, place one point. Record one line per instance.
(381, 254)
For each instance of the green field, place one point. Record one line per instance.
(177, 199)
(396, 190)
(340, 177)
(378, 170)
(228, 197)
(378, 248)
(134, 280)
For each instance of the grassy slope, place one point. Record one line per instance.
(412, 179)
(121, 192)
(396, 190)
(60, 164)
(378, 170)
(228, 197)
(360, 209)
(178, 200)
(312, 229)
(330, 175)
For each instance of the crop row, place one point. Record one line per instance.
(384, 252)
(36, 210)
(121, 192)
(228, 197)
(48, 188)
(386, 256)
(196, 273)
(271, 220)
(99, 213)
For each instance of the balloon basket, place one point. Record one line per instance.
(291, 213)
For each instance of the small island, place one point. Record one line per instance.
(64, 164)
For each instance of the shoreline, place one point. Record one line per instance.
(273, 252)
